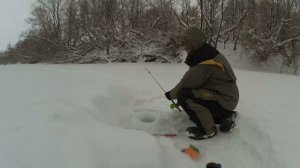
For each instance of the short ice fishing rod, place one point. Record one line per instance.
(173, 105)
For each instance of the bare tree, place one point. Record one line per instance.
(71, 24)
(271, 30)
(131, 30)
(47, 20)
(221, 22)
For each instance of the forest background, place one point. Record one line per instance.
(103, 31)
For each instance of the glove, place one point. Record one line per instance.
(168, 95)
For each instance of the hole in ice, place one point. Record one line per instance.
(147, 118)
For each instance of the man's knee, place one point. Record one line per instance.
(183, 94)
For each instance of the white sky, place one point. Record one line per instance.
(12, 20)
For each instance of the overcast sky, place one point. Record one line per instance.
(12, 20)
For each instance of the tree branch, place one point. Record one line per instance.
(179, 20)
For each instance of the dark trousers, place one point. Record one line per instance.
(216, 110)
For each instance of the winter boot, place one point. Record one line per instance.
(197, 133)
(229, 123)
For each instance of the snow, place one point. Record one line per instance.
(243, 59)
(74, 116)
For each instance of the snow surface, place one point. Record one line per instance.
(243, 59)
(103, 116)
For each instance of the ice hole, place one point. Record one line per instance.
(147, 118)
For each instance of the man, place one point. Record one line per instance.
(207, 92)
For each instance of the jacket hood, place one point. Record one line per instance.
(193, 38)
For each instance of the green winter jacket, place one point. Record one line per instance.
(210, 78)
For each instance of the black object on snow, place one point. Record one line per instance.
(213, 165)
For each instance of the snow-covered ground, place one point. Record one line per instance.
(102, 116)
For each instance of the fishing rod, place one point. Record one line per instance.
(173, 105)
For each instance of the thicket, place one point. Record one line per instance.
(93, 31)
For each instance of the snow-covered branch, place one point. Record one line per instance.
(237, 25)
(156, 21)
(179, 19)
(282, 43)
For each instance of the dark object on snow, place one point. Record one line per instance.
(229, 123)
(166, 135)
(197, 133)
(213, 165)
